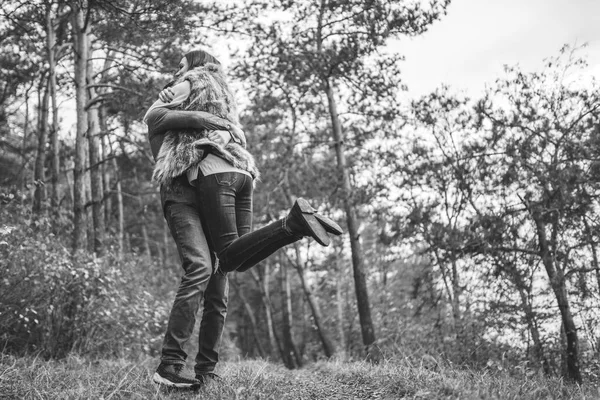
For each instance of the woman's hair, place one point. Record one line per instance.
(197, 58)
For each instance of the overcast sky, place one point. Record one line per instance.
(470, 45)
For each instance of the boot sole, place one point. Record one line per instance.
(317, 230)
(329, 225)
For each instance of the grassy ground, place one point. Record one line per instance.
(77, 378)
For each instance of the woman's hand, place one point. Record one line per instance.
(178, 92)
(237, 131)
(219, 137)
(239, 134)
(166, 95)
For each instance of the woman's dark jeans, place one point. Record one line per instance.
(226, 206)
(181, 210)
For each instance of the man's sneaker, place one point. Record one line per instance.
(171, 375)
(206, 377)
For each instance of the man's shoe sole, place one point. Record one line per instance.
(164, 381)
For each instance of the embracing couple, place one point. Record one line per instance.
(206, 179)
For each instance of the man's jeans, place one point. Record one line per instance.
(226, 203)
(181, 210)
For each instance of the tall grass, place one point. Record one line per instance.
(79, 378)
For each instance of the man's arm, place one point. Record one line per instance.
(162, 119)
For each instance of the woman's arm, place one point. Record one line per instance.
(162, 119)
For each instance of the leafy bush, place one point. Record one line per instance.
(54, 303)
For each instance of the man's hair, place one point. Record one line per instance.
(198, 58)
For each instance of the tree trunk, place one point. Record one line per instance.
(120, 216)
(54, 143)
(340, 306)
(538, 348)
(106, 173)
(360, 283)
(159, 252)
(594, 251)
(166, 243)
(251, 317)
(530, 317)
(88, 203)
(39, 174)
(119, 199)
(127, 242)
(328, 347)
(459, 323)
(145, 239)
(558, 284)
(69, 167)
(96, 175)
(292, 359)
(263, 286)
(4, 127)
(80, 37)
(22, 176)
(104, 149)
(450, 279)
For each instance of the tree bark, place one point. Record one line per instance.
(120, 219)
(360, 283)
(538, 348)
(80, 37)
(328, 347)
(145, 239)
(263, 286)
(106, 170)
(340, 307)
(54, 143)
(292, 358)
(39, 174)
(165, 242)
(127, 242)
(120, 211)
(558, 284)
(593, 249)
(459, 324)
(96, 175)
(104, 148)
(88, 196)
(22, 176)
(4, 127)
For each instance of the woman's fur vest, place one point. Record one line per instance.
(185, 148)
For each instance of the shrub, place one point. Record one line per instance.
(53, 303)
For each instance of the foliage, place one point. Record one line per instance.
(53, 303)
(502, 193)
(303, 49)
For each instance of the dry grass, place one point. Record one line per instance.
(78, 378)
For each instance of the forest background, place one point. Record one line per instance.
(472, 224)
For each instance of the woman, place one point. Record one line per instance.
(224, 174)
